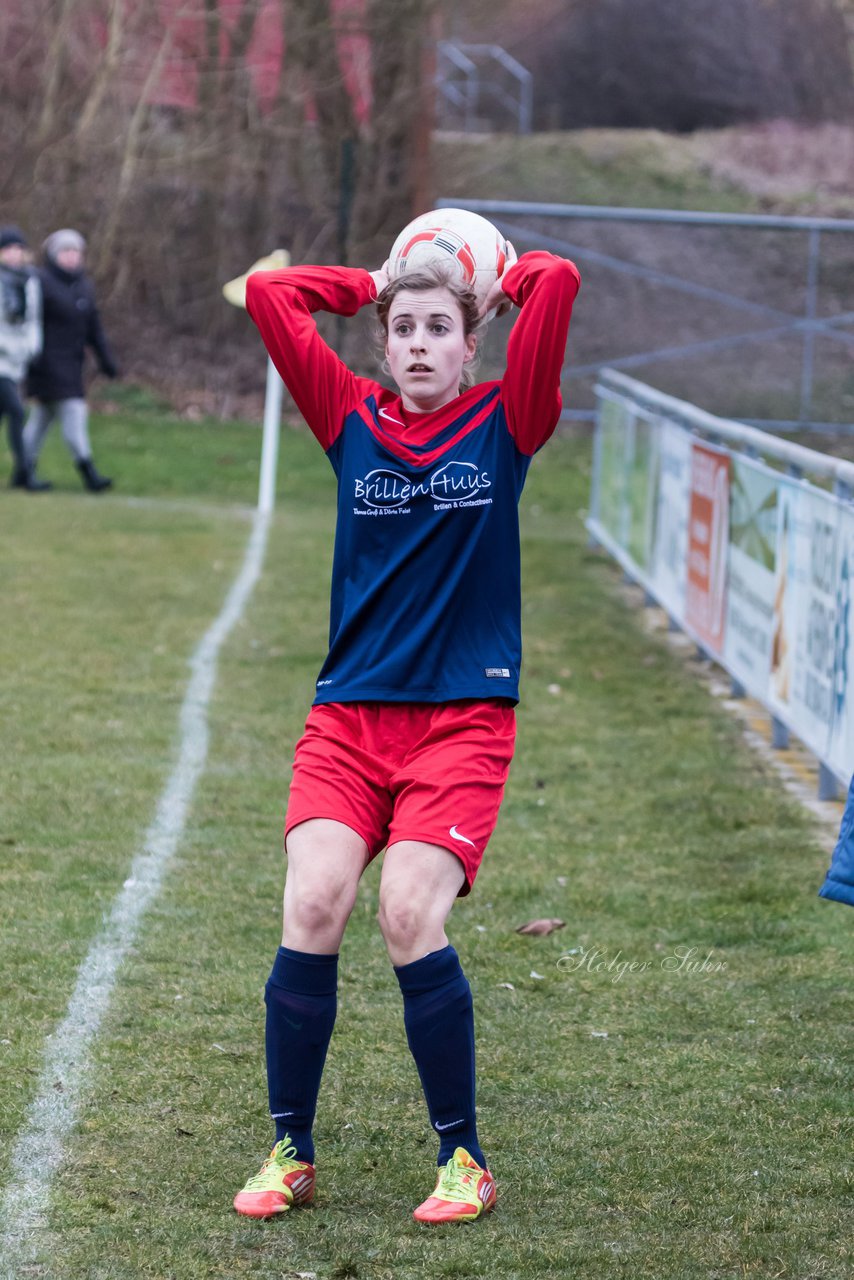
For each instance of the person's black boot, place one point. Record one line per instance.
(26, 478)
(34, 485)
(91, 477)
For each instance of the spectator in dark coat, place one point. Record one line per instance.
(71, 324)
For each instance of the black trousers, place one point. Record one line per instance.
(13, 410)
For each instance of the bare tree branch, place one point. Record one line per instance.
(130, 157)
(107, 67)
(55, 67)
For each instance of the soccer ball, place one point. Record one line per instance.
(471, 244)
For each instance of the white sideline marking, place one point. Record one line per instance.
(39, 1150)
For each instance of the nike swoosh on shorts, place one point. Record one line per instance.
(456, 835)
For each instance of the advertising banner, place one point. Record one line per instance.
(615, 420)
(757, 565)
(804, 653)
(708, 538)
(841, 748)
(671, 503)
(816, 551)
(784, 620)
(751, 574)
(640, 489)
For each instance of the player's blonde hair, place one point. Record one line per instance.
(434, 276)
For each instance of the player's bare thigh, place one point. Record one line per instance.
(418, 888)
(325, 862)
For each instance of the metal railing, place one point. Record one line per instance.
(774, 324)
(471, 77)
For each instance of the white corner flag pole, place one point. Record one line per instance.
(270, 441)
(235, 293)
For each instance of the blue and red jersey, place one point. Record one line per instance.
(426, 598)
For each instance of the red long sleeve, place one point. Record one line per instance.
(281, 303)
(545, 287)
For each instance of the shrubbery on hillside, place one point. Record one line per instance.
(683, 65)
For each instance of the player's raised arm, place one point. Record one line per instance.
(282, 304)
(545, 288)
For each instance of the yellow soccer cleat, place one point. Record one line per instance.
(463, 1192)
(280, 1183)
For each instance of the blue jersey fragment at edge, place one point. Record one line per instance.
(839, 882)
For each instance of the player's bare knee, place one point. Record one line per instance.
(317, 912)
(402, 922)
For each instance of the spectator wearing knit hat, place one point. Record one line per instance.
(20, 340)
(71, 324)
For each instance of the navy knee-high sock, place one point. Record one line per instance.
(301, 999)
(439, 1020)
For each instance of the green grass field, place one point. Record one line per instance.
(586, 166)
(658, 1121)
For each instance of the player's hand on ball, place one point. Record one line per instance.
(380, 278)
(497, 298)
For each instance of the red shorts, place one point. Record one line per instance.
(396, 771)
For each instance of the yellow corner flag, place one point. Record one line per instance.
(235, 290)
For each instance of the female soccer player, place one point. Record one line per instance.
(409, 740)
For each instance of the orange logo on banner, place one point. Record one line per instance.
(708, 541)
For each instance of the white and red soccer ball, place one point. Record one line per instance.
(469, 243)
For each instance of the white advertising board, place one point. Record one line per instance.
(751, 575)
(671, 505)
